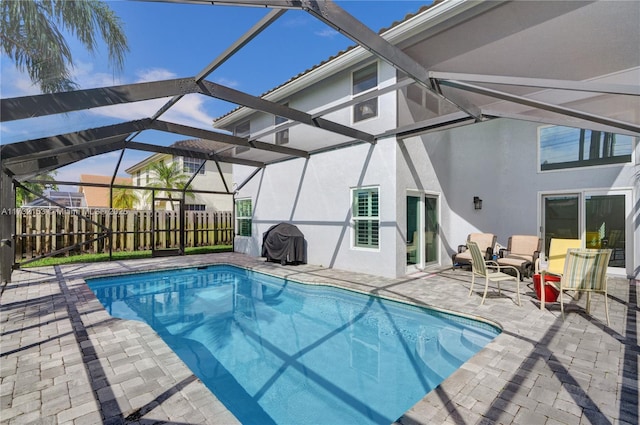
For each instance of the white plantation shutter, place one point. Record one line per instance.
(366, 217)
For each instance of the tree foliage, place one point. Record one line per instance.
(26, 196)
(168, 176)
(124, 198)
(32, 36)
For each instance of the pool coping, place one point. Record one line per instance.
(522, 376)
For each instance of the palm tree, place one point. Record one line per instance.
(170, 176)
(31, 34)
(124, 198)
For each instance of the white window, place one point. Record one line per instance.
(195, 207)
(242, 130)
(364, 80)
(365, 214)
(243, 217)
(567, 147)
(191, 165)
(282, 137)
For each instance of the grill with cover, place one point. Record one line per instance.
(285, 243)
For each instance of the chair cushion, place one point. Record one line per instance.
(515, 260)
(463, 257)
(484, 240)
(524, 244)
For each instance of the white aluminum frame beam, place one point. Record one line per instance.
(541, 105)
(544, 83)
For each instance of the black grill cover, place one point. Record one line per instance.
(284, 243)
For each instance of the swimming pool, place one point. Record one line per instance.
(280, 352)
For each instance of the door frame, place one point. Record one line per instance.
(422, 194)
(582, 195)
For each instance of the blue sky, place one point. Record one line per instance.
(178, 40)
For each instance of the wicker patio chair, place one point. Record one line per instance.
(485, 241)
(522, 252)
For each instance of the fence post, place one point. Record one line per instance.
(129, 246)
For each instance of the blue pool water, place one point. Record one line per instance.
(279, 352)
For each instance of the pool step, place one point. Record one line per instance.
(476, 339)
(458, 347)
(441, 354)
(434, 367)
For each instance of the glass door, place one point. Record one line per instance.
(431, 230)
(605, 225)
(422, 230)
(596, 217)
(413, 224)
(560, 217)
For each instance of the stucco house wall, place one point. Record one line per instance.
(495, 160)
(315, 193)
(498, 161)
(210, 180)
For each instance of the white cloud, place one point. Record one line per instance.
(327, 33)
(131, 111)
(102, 165)
(85, 75)
(14, 82)
(190, 111)
(227, 82)
(154, 74)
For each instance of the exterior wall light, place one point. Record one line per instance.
(366, 111)
(477, 203)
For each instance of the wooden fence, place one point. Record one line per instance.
(41, 231)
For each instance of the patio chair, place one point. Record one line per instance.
(522, 252)
(485, 242)
(585, 270)
(555, 264)
(482, 267)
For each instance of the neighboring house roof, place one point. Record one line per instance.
(98, 197)
(208, 146)
(67, 199)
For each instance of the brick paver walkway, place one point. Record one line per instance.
(64, 360)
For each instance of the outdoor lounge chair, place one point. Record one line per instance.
(485, 242)
(555, 263)
(585, 270)
(483, 268)
(522, 252)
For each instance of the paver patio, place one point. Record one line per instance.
(64, 360)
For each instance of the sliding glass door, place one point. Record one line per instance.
(431, 230)
(422, 230)
(605, 225)
(598, 218)
(413, 224)
(561, 217)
